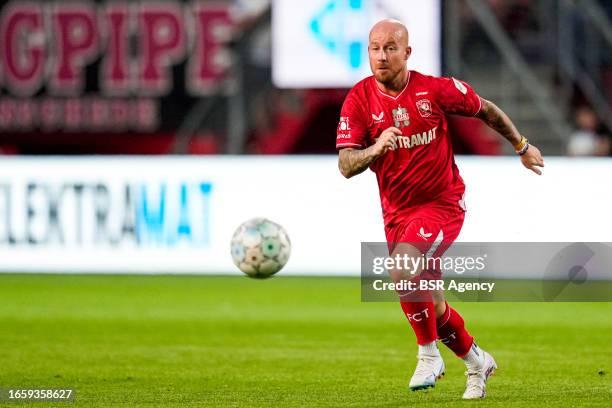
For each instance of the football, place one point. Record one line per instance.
(260, 248)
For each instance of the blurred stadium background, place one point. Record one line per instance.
(136, 136)
(211, 84)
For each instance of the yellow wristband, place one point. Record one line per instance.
(520, 145)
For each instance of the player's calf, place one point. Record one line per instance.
(452, 332)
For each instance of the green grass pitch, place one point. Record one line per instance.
(192, 341)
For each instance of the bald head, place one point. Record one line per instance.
(388, 50)
(391, 27)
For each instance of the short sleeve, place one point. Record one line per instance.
(352, 128)
(457, 97)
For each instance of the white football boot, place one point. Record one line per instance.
(429, 369)
(477, 377)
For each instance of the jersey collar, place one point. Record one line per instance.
(395, 98)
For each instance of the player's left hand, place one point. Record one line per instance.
(532, 159)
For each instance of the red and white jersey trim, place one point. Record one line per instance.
(398, 95)
(349, 144)
(479, 106)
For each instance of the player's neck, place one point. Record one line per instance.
(396, 86)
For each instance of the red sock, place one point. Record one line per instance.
(422, 317)
(451, 331)
(418, 306)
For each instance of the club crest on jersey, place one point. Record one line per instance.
(424, 107)
(400, 117)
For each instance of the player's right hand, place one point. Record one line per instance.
(387, 141)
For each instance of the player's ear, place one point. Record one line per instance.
(408, 52)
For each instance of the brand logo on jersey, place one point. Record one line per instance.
(460, 86)
(424, 234)
(424, 107)
(379, 118)
(344, 123)
(418, 139)
(400, 117)
(421, 93)
(344, 130)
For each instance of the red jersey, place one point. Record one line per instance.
(422, 169)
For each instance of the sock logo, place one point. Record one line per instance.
(417, 317)
(448, 339)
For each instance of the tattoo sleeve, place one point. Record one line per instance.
(496, 119)
(352, 161)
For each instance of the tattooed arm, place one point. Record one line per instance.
(496, 119)
(352, 161)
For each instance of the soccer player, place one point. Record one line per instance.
(395, 123)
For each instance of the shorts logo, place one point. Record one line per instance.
(400, 117)
(423, 234)
(424, 107)
(461, 203)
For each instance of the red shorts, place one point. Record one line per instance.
(432, 228)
